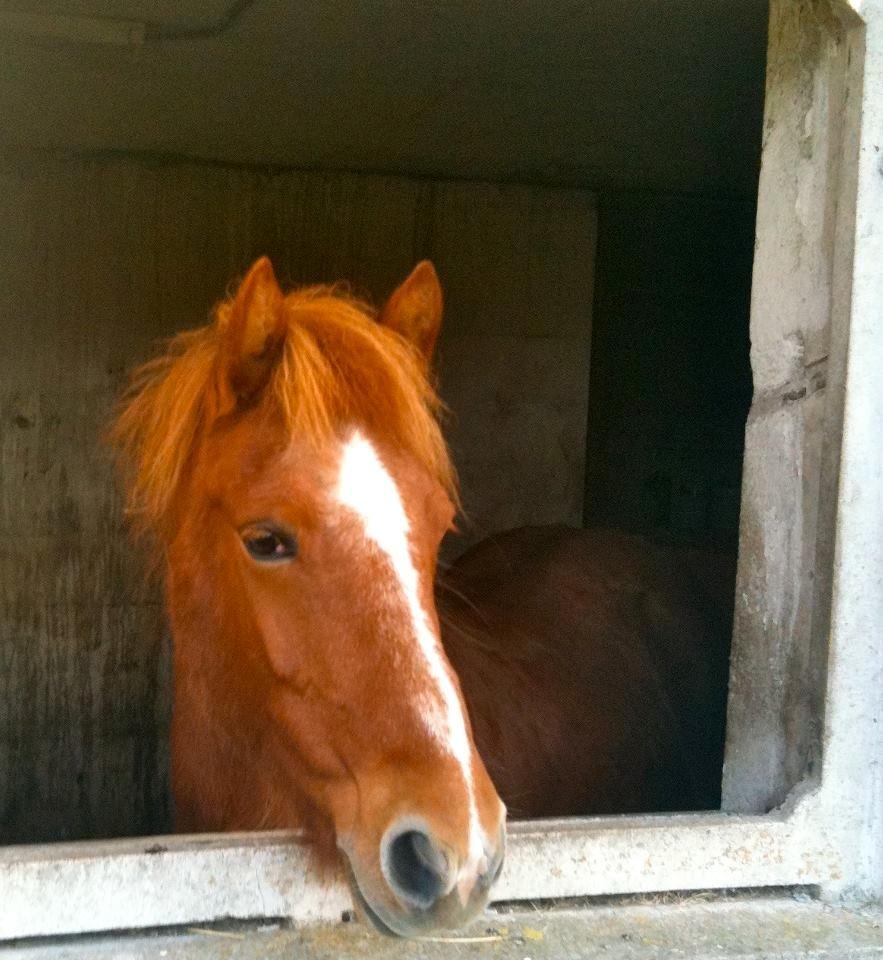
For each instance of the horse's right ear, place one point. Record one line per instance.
(253, 332)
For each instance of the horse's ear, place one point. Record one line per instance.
(253, 333)
(415, 309)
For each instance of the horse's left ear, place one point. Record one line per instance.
(415, 309)
(254, 332)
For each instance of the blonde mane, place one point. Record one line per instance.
(338, 365)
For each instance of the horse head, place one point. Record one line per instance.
(288, 460)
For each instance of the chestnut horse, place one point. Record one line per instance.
(288, 461)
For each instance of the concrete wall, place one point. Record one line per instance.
(518, 268)
(98, 260)
(799, 330)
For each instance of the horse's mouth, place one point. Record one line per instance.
(380, 925)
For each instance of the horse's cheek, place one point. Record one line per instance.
(302, 717)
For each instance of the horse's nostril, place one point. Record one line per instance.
(415, 868)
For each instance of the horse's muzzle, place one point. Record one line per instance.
(421, 887)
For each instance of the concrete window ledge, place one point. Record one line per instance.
(695, 926)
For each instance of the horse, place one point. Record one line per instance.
(594, 665)
(287, 462)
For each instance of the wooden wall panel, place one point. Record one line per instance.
(97, 262)
(518, 267)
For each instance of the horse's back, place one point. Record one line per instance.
(594, 665)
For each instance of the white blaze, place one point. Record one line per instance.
(366, 487)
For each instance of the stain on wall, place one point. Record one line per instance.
(102, 259)
(518, 268)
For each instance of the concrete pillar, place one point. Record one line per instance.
(798, 324)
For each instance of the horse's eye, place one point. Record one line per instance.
(269, 544)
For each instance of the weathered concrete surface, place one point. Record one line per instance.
(100, 260)
(805, 203)
(807, 675)
(700, 928)
(141, 883)
(852, 760)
